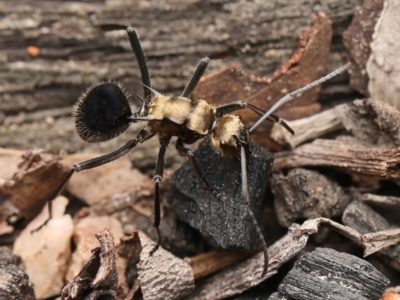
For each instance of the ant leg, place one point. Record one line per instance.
(182, 151)
(93, 163)
(157, 179)
(195, 77)
(245, 197)
(227, 108)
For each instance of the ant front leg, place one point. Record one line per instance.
(157, 179)
(183, 151)
(246, 202)
(228, 108)
(143, 135)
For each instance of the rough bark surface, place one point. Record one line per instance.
(51, 51)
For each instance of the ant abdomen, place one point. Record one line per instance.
(102, 112)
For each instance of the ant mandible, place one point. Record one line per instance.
(103, 112)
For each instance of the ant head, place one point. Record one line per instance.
(102, 112)
(228, 135)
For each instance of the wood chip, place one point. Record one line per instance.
(162, 275)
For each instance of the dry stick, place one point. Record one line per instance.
(371, 122)
(210, 262)
(307, 128)
(377, 162)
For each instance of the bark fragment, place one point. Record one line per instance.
(99, 277)
(357, 39)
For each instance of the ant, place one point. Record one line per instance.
(103, 112)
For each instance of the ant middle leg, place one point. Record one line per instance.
(157, 179)
(143, 135)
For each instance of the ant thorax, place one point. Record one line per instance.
(229, 135)
(181, 117)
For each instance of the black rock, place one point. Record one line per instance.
(224, 221)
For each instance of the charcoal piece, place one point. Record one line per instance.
(224, 220)
(277, 296)
(328, 274)
(364, 219)
(306, 194)
(14, 284)
(8, 258)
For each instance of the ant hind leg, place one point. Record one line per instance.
(93, 163)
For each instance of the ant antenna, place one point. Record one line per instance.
(291, 95)
(137, 48)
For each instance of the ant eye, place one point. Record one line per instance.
(102, 113)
